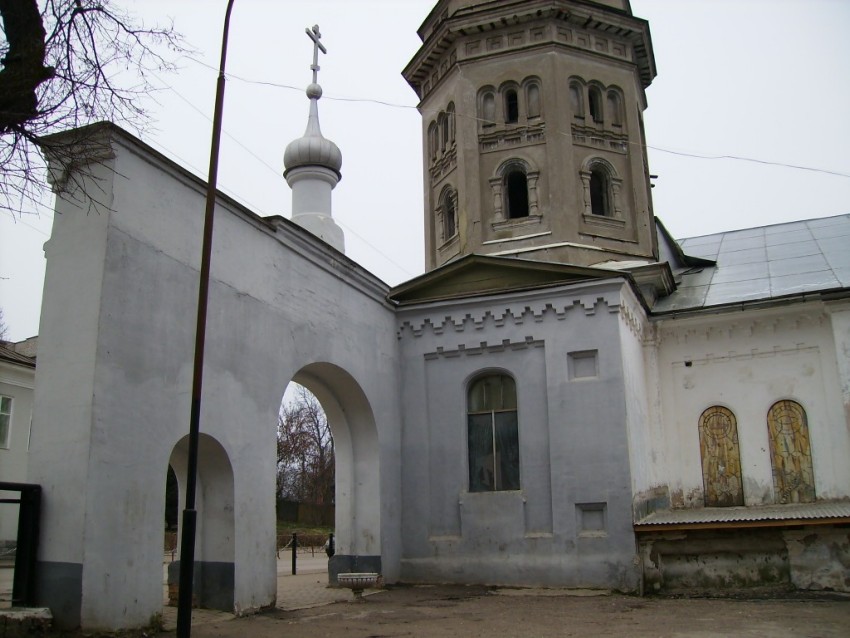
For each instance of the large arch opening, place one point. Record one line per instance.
(215, 537)
(356, 492)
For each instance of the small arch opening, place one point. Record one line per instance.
(511, 106)
(594, 98)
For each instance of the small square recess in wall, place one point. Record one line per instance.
(591, 519)
(583, 365)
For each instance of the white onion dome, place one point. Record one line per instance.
(313, 149)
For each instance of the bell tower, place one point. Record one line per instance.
(532, 123)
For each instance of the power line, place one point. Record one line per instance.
(691, 154)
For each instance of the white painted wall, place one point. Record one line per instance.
(572, 435)
(746, 361)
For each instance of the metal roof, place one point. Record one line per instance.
(792, 512)
(7, 354)
(763, 263)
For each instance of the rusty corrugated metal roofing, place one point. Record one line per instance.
(797, 511)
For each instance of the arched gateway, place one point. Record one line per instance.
(114, 384)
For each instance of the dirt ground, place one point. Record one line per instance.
(469, 612)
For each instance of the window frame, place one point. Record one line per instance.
(6, 437)
(508, 469)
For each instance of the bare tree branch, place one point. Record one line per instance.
(67, 64)
(305, 451)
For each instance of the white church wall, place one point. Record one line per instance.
(746, 361)
(637, 344)
(839, 319)
(116, 365)
(570, 522)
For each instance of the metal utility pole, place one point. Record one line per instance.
(187, 539)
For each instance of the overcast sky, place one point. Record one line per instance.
(762, 79)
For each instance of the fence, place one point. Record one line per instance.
(311, 543)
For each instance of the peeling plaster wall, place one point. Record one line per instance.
(810, 558)
(746, 361)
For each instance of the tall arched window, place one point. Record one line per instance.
(493, 434)
(511, 106)
(577, 99)
(790, 453)
(516, 193)
(600, 197)
(721, 458)
(594, 99)
(448, 212)
(450, 121)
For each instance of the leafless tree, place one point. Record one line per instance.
(4, 329)
(305, 451)
(65, 64)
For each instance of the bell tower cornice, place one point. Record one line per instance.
(510, 25)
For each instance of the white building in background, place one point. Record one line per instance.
(568, 397)
(17, 379)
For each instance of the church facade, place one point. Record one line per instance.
(567, 397)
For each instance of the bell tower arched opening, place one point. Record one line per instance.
(532, 90)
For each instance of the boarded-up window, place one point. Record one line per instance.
(721, 458)
(790, 453)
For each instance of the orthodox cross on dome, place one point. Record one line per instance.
(315, 36)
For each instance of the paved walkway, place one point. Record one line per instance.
(309, 588)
